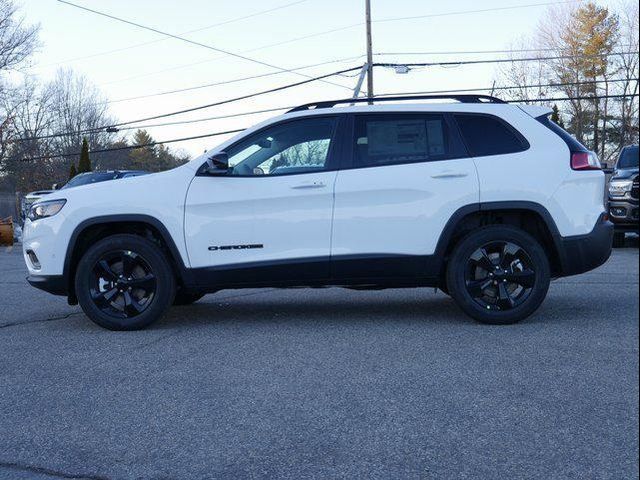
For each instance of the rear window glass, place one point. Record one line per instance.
(487, 135)
(629, 158)
(573, 144)
(396, 139)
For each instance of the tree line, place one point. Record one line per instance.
(588, 54)
(33, 113)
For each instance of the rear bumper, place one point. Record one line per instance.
(583, 253)
(54, 284)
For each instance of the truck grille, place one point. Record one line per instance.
(634, 189)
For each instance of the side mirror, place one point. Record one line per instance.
(218, 164)
(56, 186)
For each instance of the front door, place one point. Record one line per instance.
(269, 218)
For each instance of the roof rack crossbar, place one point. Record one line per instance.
(460, 98)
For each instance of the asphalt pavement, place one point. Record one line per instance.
(323, 383)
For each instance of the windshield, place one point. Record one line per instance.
(629, 158)
(86, 178)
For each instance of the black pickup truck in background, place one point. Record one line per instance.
(623, 195)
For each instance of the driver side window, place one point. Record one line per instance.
(300, 146)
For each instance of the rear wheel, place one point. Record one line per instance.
(124, 282)
(498, 275)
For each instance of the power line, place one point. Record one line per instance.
(114, 127)
(482, 10)
(133, 147)
(207, 119)
(434, 92)
(334, 30)
(228, 132)
(209, 60)
(561, 99)
(497, 60)
(208, 27)
(456, 63)
(227, 82)
(512, 87)
(187, 40)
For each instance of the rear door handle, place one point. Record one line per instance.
(308, 185)
(450, 174)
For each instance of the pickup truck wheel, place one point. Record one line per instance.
(183, 298)
(124, 282)
(498, 275)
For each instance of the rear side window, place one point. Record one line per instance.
(488, 135)
(397, 139)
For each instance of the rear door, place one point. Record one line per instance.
(408, 174)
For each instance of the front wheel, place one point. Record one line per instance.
(124, 282)
(498, 275)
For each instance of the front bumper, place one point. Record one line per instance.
(54, 284)
(583, 253)
(624, 215)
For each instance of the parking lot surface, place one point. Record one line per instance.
(327, 383)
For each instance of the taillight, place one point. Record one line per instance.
(585, 161)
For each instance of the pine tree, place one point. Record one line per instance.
(555, 116)
(72, 171)
(85, 162)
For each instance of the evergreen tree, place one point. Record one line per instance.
(85, 162)
(555, 116)
(72, 171)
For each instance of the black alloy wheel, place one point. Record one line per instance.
(123, 284)
(500, 276)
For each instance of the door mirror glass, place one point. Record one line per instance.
(218, 164)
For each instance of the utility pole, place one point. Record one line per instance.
(369, 51)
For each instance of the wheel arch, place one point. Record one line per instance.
(97, 228)
(531, 217)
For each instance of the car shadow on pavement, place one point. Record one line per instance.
(349, 309)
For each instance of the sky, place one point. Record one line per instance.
(110, 54)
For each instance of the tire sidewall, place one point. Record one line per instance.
(165, 286)
(457, 268)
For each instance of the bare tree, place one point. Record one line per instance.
(17, 40)
(78, 106)
(628, 70)
(524, 81)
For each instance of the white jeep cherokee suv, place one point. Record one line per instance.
(485, 200)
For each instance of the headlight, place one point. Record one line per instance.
(45, 209)
(618, 188)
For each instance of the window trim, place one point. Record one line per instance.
(333, 160)
(350, 148)
(501, 120)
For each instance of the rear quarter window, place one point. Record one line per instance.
(486, 135)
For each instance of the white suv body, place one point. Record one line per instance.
(364, 196)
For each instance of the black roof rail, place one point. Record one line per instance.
(459, 98)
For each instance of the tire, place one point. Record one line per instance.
(183, 298)
(124, 282)
(514, 282)
(619, 239)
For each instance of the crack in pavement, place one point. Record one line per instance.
(51, 319)
(49, 472)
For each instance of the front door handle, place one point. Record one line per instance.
(450, 174)
(308, 185)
